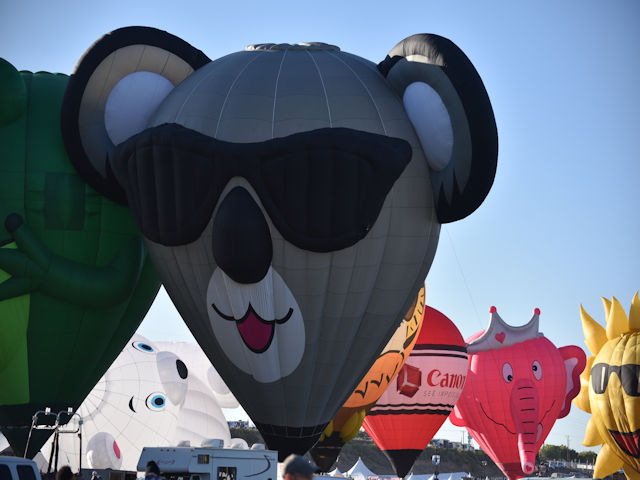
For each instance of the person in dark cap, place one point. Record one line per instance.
(296, 467)
(152, 472)
(64, 473)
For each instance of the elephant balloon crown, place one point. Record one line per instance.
(290, 196)
(499, 334)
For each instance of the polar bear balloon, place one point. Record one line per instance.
(150, 396)
(290, 196)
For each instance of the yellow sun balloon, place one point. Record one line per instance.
(610, 388)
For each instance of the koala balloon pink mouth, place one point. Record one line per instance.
(628, 442)
(256, 332)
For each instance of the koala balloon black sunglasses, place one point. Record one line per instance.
(323, 189)
(629, 375)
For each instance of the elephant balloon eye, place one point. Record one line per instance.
(537, 369)
(156, 402)
(507, 372)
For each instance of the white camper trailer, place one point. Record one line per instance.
(211, 463)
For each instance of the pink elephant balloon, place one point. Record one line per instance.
(518, 384)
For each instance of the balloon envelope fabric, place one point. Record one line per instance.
(291, 197)
(414, 407)
(201, 367)
(348, 421)
(148, 397)
(518, 384)
(75, 279)
(610, 388)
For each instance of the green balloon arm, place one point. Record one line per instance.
(27, 242)
(16, 287)
(33, 267)
(97, 287)
(17, 264)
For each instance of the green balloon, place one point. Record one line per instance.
(75, 278)
(13, 94)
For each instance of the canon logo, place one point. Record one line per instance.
(449, 380)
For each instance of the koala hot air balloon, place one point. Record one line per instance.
(518, 384)
(290, 196)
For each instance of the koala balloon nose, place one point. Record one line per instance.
(241, 239)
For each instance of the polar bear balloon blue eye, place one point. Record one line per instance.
(143, 347)
(156, 402)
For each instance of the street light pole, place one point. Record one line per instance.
(435, 460)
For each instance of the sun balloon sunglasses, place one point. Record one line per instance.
(323, 189)
(629, 375)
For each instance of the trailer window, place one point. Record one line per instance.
(5, 473)
(25, 472)
(227, 473)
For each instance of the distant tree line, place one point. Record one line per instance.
(560, 452)
(475, 462)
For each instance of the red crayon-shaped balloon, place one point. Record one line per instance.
(414, 407)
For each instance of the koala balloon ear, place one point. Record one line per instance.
(115, 88)
(450, 110)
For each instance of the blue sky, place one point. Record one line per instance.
(560, 227)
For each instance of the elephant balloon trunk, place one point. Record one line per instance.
(524, 410)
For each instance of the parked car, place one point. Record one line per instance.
(17, 468)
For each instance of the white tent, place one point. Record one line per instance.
(426, 476)
(455, 475)
(335, 472)
(360, 471)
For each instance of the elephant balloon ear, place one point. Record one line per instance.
(450, 110)
(575, 361)
(115, 88)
